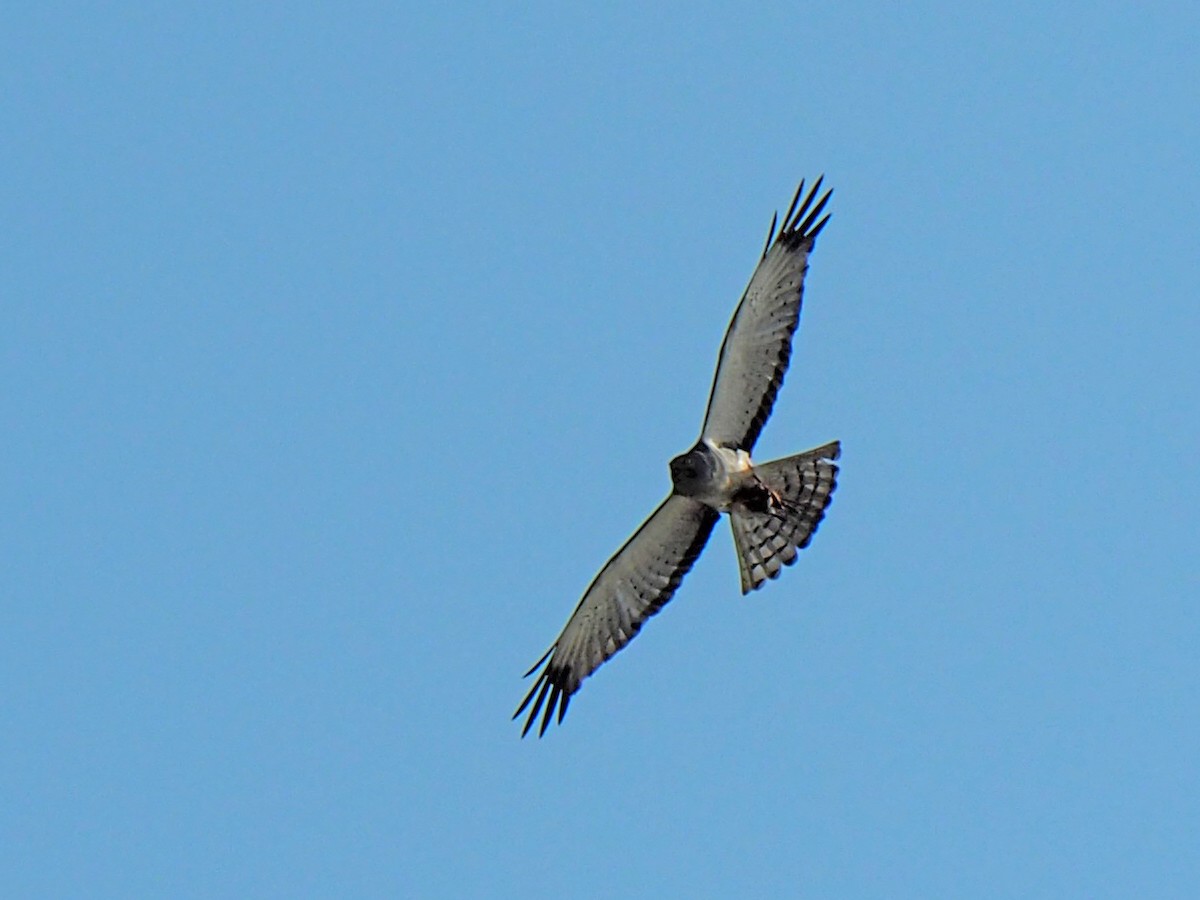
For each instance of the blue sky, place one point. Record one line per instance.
(341, 346)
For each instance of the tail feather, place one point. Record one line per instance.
(768, 531)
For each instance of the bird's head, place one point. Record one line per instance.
(691, 470)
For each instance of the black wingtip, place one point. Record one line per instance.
(537, 665)
(806, 227)
(544, 682)
(528, 697)
(819, 226)
(771, 232)
(536, 684)
(550, 691)
(798, 225)
(792, 205)
(550, 705)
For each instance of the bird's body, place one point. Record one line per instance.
(726, 472)
(773, 508)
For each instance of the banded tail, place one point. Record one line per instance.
(770, 526)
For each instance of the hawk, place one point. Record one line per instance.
(774, 508)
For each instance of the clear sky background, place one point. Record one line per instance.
(341, 345)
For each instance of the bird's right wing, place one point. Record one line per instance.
(635, 584)
(758, 343)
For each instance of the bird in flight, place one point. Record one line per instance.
(774, 508)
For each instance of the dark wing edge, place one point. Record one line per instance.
(801, 226)
(681, 527)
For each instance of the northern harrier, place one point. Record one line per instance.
(774, 508)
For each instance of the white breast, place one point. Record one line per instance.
(733, 467)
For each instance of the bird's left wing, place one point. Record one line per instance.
(758, 344)
(635, 584)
